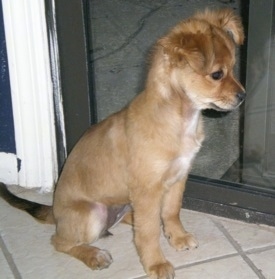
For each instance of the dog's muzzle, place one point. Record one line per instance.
(241, 96)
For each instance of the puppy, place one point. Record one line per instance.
(134, 164)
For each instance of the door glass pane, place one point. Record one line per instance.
(239, 146)
(259, 125)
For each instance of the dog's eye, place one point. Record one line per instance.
(217, 75)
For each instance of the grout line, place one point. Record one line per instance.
(259, 250)
(9, 259)
(206, 261)
(239, 252)
(197, 263)
(235, 244)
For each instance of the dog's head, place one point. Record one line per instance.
(200, 54)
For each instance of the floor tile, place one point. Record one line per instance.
(28, 243)
(6, 273)
(11, 217)
(265, 262)
(229, 268)
(250, 236)
(32, 194)
(212, 244)
(126, 262)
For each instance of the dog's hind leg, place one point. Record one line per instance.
(78, 225)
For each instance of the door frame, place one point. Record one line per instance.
(35, 161)
(68, 23)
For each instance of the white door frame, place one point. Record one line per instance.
(35, 162)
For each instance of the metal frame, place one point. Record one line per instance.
(75, 69)
(231, 200)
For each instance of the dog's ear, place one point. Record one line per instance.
(193, 49)
(225, 19)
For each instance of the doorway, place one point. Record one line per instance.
(233, 175)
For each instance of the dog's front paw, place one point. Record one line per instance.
(183, 242)
(99, 260)
(162, 271)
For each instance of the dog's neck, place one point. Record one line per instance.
(170, 105)
(160, 84)
(158, 80)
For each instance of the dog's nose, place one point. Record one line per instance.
(241, 96)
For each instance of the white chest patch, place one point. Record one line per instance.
(180, 166)
(178, 169)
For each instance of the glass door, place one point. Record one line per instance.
(122, 34)
(237, 157)
(234, 173)
(259, 130)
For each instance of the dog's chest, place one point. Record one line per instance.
(190, 143)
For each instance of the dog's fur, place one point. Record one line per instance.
(138, 159)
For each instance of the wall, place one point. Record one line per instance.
(9, 164)
(7, 141)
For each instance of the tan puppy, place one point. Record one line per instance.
(137, 160)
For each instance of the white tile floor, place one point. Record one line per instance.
(228, 249)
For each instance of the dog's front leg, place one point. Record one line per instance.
(173, 228)
(146, 208)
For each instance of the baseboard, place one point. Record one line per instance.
(8, 168)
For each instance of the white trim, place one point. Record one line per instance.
(8, 168)
(32, 92)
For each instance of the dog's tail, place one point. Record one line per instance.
(43, 213)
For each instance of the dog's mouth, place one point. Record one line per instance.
(217, 108)
(221, 109)
(225, 107)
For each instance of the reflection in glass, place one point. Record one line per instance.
(239, 146)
